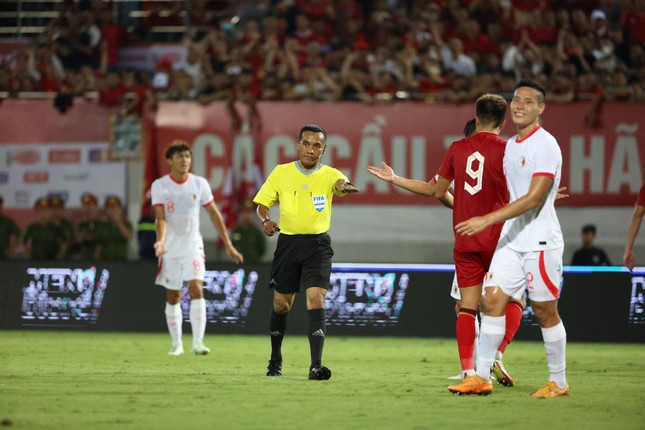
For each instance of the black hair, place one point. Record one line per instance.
(175, 147)
(532, 84)
(315, 128)
(589, 228)
(469, 127)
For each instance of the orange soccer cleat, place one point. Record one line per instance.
(473, 384)
(551, 390)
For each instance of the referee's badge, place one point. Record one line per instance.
(319, 202)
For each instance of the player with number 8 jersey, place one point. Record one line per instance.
(181, 201)
(177, 198)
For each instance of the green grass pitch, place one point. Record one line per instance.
(73, 380)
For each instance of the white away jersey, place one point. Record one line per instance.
(538, 154)
(181, 202)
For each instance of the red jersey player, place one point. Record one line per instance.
(475, 164)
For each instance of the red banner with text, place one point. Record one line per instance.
(602, 166)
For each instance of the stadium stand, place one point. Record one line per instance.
(368, 51)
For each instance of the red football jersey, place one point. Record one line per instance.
(475, 164)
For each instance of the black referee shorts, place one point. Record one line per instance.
(301, 259)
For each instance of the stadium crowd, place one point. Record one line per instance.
(369, 51)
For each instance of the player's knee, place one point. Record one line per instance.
(316, 298)
(196, 293)
(281, 306)
(173, 297)
(490, 304)
(316, 301)
(546, 313)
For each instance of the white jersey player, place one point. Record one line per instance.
(529, 251)
(176, 199)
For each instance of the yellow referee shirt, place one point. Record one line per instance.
(305, 197)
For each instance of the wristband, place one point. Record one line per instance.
(264, 222)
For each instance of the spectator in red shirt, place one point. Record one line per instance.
(477, 42)
(633, 22)
(111, 89)
(111, 35)
(541, 28)
(384, 88)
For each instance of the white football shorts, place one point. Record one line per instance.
(455, 293)
(171, 272)
(454, 290)
(538, 272)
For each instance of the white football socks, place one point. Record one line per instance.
(174, 321)
(476, 340)
(198, 319)
(490, 336)
(555, 345)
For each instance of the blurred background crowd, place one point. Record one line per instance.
(101, 231)
(97, 233)
(354, 50)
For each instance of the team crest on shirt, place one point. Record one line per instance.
(194, 196)
(522, 162)
(319, 202)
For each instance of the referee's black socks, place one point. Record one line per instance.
(317, 332)
(277, 327)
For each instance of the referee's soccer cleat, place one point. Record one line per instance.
(551, 390)
(473, 384)
(319, 373)
(176, 350)
(200, 349)
(274, 368)
(501, 374)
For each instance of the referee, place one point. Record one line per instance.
(305, 189)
